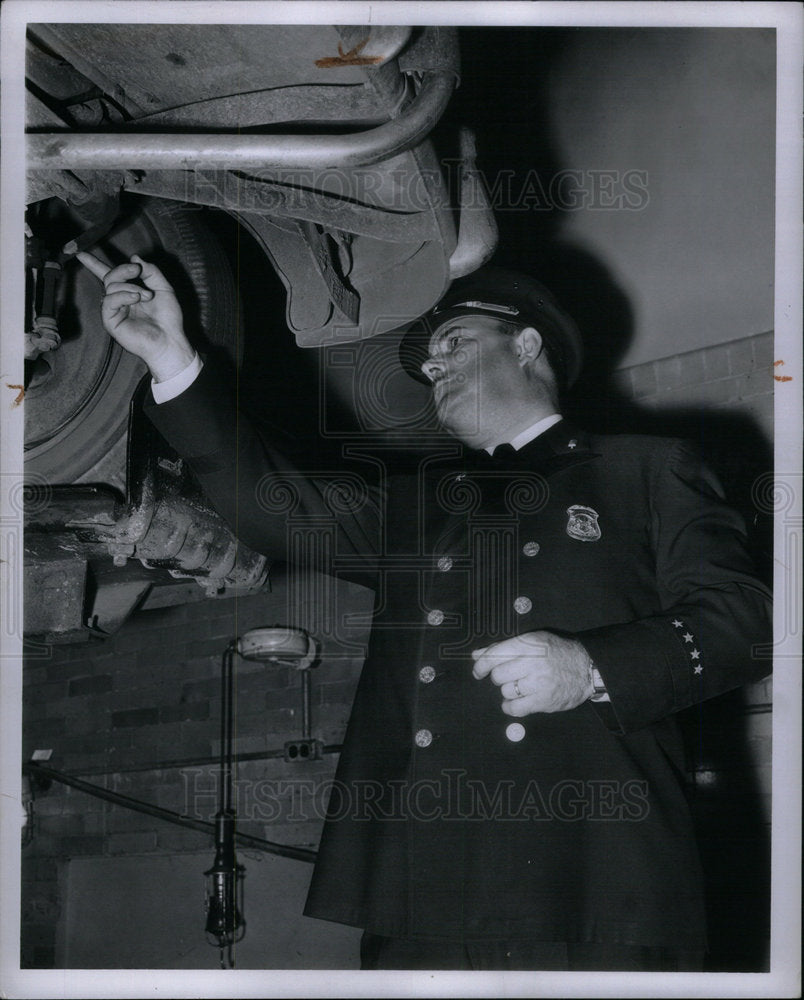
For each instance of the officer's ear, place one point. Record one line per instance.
(528, 345)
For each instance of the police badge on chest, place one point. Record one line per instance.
(582, 523)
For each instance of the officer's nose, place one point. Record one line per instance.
(434, 369)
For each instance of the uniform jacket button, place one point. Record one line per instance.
(427, 674)
(445, 564)
(522, 605)
(515, 732)
(435, 617)
(423, 738)
(531, 548)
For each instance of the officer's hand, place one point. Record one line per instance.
(536, 672)
(146, 321)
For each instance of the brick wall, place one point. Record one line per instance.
(737, 374)
(116, 712)
(151, 694)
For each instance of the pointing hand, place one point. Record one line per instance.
(147, 321)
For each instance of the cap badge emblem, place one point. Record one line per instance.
(582, 523)
(476, 304)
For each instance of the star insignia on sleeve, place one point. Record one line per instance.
(695, 654)
(677, 624)
(698, 669)
(687, 637)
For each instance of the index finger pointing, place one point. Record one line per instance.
(93, 264)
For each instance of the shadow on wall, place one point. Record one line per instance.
(505, 95)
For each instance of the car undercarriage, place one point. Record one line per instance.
(321, 144)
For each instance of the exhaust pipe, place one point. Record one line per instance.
(150, 151)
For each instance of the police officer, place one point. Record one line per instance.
(510, 792)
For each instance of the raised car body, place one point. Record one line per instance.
(314, 138)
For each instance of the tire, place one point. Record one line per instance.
(77, 401)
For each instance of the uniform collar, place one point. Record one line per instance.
(561, 444)
(532, 432)
(561, 439)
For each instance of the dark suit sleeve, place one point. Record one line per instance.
(295, 516)
(714, 631)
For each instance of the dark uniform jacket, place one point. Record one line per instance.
(443, 820)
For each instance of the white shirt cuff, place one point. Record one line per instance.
(175, 386)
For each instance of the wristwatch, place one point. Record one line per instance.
(599, 693)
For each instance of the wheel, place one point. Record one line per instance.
(77, 397)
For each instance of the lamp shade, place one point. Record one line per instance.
(278, 645)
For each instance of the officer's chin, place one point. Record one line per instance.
(458, 416)
(465, 432)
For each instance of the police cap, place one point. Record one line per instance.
(506, 295)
